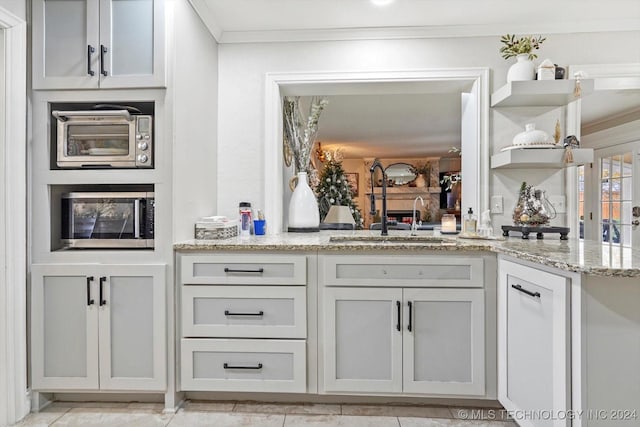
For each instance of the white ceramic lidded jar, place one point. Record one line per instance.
(531, 136)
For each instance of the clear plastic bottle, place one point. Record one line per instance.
(244, 226)
(470, 223)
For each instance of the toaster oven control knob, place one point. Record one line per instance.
(138, 136)
(143, 145)
(147, 136)
(142, 158)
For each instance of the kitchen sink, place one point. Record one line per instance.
(392, 239)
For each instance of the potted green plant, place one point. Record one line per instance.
(522, 49)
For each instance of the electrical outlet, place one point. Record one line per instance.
(497, 204)
(559, 203)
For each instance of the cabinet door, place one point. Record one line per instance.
(65, 44)
(132, 43)
(533, 352)
(132, 327)
(64, 327)
(362, 340)
(443, 342)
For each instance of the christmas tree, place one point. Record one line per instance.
(334, 189)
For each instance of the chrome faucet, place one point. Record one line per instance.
(414, 224)
(377, 164)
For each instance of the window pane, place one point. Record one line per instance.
(616, 166)
(626, 216)
(627, 188)
(627, 164)
(615, 188)
(616, 208)
(605, 166)
(605, 210)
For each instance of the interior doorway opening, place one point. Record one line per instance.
(475, 132)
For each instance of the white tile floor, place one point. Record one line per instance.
(230, 414)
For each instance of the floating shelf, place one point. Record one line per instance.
(539, 158)
(538, 93)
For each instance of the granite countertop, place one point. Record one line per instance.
(587, 257)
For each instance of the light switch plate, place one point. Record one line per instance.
(497, 204)
(559, 203)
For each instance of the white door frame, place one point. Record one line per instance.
(317, 83)
(606, 77)
(14, 403)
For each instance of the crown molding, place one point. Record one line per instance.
(205, 14)
(399, 33)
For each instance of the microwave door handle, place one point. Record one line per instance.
(136, 219)
(63, 116)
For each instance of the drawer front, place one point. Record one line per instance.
(244, 311)
(243, 365)
(401, 270)
(240, 269)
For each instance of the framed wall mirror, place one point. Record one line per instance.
(400, 173)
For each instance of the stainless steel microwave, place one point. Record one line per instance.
(104, 139)
(108, 219)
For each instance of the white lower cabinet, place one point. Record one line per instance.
(98, 327)
(244, 365)
(243, 322)
(391, 340)
(533, 345)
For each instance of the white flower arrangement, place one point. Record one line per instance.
(300, 136)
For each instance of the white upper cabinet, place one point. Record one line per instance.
(88, 44)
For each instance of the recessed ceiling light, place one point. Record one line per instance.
(381, 2)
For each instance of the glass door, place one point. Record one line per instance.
(617, 168)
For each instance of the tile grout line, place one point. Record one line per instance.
(55, 420)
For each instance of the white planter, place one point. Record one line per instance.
(523, 69)
(304, 215)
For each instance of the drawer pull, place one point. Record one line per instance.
(227, 366)
(90, 300)
(523, 290)
(102, 300)
(228, 313)
(257, 271)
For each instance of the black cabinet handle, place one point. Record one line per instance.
(523, 290)
(257, 271)
(227, 366)
(103, 50)
(90, 50)
(102, 301)
(90, 301)
(399, 307)
(410, 304)
(228, 313)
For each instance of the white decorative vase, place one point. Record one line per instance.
(523, 69)
(304, 215)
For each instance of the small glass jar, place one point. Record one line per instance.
(448, 223)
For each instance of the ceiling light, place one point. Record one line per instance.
(381, 2)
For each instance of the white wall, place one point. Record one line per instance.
(194, 89)
(242, 70)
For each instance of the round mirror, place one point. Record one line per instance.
(400, 173)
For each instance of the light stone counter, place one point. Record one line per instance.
(587, 257)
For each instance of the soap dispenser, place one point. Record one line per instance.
(470, 223)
